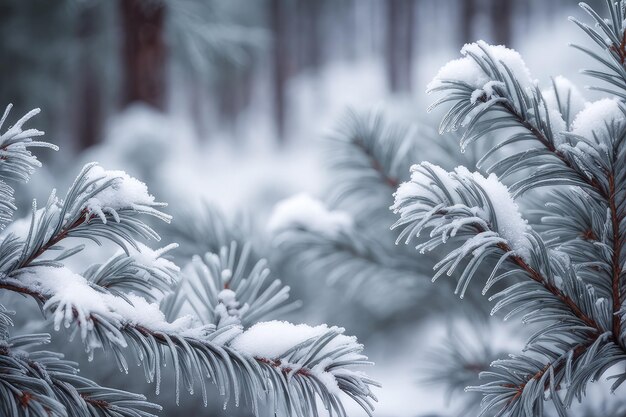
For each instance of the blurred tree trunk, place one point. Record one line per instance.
(89, 95)
(467, 16)
(399, 44)
(308, 32)
(280, 60)
(502, 21)
(144, 52)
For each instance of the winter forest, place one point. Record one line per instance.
(301, 208)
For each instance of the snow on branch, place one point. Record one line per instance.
(302, 210)
(494, 94)
(290, 348)
(453, 202)
(473, 72)
(480, 219)
(232, 298)
(113, 191)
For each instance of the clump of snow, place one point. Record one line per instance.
(272, 339)
(510, 223)
(229, 306)
(487, 91)
(421, 184)
(71, 297)
(468, 71)
(149, 257)
(304, 211)
(125, 192)
(596, 115)
(327, 378)
(227, 274)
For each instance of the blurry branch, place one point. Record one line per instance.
(369, 157)
(456, 362)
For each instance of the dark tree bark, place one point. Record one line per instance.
(144, 52)
(399, 44)
(467, 15)
(89, 94)
(280, 58)
(502, 21)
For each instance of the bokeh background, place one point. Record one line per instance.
(226, 104)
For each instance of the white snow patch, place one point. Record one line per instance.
(510, 223)
(125, 192)
(71, 294)
(596, 115)
(487, 91)
(421, 185)
(272, 339)
(302, 210)
(466, 69)
(153, 257)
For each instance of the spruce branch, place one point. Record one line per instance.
(477, 216)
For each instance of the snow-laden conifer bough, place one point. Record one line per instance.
(564, 274)
(130, 306)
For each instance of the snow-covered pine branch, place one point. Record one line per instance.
(42, 384)
(567, 271)
(478, 218)
(464, 207)
(115, 306)
(491, 91)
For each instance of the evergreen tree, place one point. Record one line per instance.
(136, 306)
